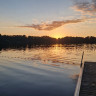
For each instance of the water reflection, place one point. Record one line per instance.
(69, 54)
(42, 70)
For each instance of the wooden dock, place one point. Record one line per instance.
(86, 85)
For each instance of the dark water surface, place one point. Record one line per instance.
(42, 71)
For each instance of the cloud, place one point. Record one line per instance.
(87, 7)
(53, 25)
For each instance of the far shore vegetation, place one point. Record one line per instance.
(22, 40)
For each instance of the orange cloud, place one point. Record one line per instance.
(53, 25)
(85, 6)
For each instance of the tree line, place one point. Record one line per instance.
(22, 40)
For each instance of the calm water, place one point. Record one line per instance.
(42, 71)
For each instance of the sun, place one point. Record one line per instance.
(57, 36)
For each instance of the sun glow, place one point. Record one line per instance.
(57, 36)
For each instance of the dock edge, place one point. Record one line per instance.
(77, 90)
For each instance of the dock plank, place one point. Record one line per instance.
(88, 82)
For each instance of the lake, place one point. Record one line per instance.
(42, 70)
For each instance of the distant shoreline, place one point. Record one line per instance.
(22, 40)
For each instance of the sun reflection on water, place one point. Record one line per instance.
(43, 67)
(62, 54)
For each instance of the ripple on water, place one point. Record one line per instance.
(49, 70)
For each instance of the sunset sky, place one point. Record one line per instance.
(55, 18)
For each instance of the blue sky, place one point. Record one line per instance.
(24, 12)
(28, 10)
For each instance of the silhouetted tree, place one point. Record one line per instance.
(23, 41)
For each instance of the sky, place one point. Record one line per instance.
(55, 18)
